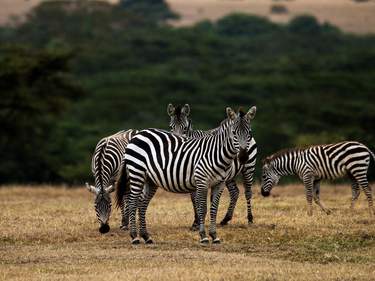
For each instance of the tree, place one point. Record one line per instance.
(35, 90)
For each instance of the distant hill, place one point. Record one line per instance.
(349, 15)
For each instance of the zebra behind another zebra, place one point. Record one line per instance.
(159, 158)
(319, 162)
(106, 163)
(180, 124)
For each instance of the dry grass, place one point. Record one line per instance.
(51, 234)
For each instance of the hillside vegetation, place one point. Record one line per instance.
(74, 72)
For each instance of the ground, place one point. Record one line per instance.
(50, 233)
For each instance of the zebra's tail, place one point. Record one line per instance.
(372, 154)
(122, 186)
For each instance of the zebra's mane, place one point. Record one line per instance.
(282, 152)
(99, 163)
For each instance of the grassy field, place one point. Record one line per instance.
(51, 234)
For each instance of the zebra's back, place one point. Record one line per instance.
(108, 156)
(332, 161)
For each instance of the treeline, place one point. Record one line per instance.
(75, 71)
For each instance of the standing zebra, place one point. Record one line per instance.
(106, 163)
(181, 124)
(330, 161)
(182, 165)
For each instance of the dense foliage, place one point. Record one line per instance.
(311, 82)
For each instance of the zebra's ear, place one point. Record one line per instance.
(110, 189)
(231, 113)
(91, 188)
(251, 113)
(170, 109)
(186, 109)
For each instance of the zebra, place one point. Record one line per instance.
(181, 124)
(106, 163)
(312, 164)
(156, 157)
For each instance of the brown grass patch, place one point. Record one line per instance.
(51, 233)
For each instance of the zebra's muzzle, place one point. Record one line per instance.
(242, 156)
(104, 228)
(265, 193)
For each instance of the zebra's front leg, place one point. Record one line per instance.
(248, 176)
(316, 192)
(201, 202)
(149, 192)
(233, 193)
(308, 182)
(195, 225)
(216, 192)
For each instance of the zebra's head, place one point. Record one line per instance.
(241, 131)
(179, 123)
(102, 204)
(270, 177)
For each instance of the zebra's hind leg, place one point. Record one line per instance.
(148, 193)
(195, 225)
(216, 192)
(201, 202)
(316, 191)
(355, 191)
(124, 206)
(367, 190)
(136, 188)
(233, 193)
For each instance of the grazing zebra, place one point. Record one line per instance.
(106, 163)
(180, 124)
(330, 161)
(159, 158)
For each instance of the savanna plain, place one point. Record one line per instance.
(51, 233)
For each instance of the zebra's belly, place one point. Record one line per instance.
(176, 185)
(332, 173)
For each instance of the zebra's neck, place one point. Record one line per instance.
(225, 141)
(285, 164)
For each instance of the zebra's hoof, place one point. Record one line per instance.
(224, 222)
(328, 212)
(136, 241)
(194, 227)
(204, 241)
(216, 241)
(149, 241)
(124, 227)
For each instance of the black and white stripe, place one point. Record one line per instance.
(178, 164)
(106, 163)
(330, 161)
(180, 123)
